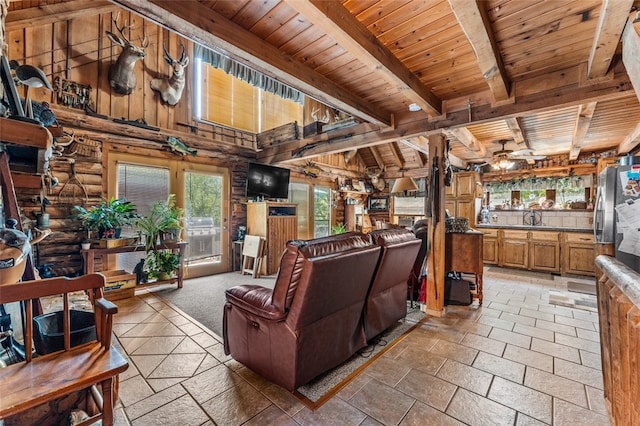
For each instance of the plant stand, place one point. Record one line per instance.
(88, 256)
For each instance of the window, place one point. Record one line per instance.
(322, 212)
(229, 101)
(314, 209)
(409, 206)
(201, 190)
(143, 186)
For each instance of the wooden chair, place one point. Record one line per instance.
(46, 378)
(252, 255)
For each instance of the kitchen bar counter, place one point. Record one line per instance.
(534, 228)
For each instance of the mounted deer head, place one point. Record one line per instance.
(170, 88)
(122, 79)
(377, 182)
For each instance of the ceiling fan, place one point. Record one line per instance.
(504, 159)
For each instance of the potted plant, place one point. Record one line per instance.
(162, 264)
(338, 228)
(107, 217)
(165, 219)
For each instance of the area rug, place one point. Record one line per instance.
(586, 302)
(323, 387)
(203, 298)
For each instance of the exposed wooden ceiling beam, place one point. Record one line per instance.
(466, 138)
(613, 17)
(630, 142)
(631, 53)
(421, 144)
(515, 126)
(377, 156)
(49, 13)
(336, 21)
(422, 158)
(397, 155)
(195, 21)
(367, 135)
(474, 22)
(583, 121)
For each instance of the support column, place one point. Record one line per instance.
(435, 258)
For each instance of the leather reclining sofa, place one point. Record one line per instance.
(331, 296)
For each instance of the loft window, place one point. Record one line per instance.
(231, 94)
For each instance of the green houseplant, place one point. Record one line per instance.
(163, 224)
(162, 264)
(338, 228)
(165, 219)
(107, 217)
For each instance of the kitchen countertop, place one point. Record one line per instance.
(534, 228)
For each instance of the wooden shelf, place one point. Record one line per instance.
(24, 133)
(577, 169)
(88, 256)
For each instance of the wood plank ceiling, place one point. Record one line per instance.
(543, 74)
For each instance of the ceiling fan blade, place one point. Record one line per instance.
(528, 157)
(526, 151)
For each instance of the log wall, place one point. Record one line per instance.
(69, 41)
(619, 316)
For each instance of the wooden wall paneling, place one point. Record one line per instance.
(38, 53)
(102, 90)
(119, 103)
(152, 64)
(136, 100)
(59, 51)
(184, 108)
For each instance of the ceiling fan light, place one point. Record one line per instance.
(404, 184)
(503, 164)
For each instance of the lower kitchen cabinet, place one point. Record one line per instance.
(514, 249)
(578, 254)
(490, 246)
(522, 249)
(544, 251)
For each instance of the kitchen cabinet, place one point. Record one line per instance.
(514, 249)
(277, 223)
(533, 250)
(462, 197)
(490, 246)
(544, 251)
(578, 254)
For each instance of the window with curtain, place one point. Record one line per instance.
(229, 101)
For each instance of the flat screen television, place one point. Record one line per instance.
(264, 181)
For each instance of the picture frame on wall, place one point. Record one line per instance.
(378, 203)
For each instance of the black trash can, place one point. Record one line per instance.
(48, 330)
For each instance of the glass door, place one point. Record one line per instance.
(206, 221)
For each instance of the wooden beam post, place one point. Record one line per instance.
(435, 257)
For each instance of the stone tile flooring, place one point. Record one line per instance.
(517, 360)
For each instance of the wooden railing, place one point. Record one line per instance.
(619, 316)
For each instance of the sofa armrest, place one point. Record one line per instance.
(254, 299)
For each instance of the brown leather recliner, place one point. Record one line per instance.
(312, 320)
(387, 298)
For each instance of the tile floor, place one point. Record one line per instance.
(517, 360)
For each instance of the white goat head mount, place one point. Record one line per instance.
(170, 88)
(122, 79)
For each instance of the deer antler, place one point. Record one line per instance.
(120, 28)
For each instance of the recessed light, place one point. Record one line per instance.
(414, 107)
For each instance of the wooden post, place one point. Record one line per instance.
(435, 258)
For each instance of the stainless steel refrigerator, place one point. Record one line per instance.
(617, 212)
